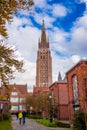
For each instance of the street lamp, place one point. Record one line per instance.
(51, 109)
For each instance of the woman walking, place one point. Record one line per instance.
(20, 116)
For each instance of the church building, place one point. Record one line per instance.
(44, 61)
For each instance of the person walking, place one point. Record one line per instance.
(20, 116)
(24, 116)
(17, 115)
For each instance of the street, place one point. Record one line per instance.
(31, 125)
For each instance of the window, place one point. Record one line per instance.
(14, 93)
(14, 107)
(75, 90)
(14, 99)
(22, 99)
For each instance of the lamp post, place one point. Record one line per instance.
(51, 109)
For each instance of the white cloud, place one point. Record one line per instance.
(75, 58)
(62, 65)
(40, 3)
(28, 77)
(59, 10)
(78, 36)
(25, 39)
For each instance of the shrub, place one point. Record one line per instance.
(63, 125)
(34, 117)
(53, 123)
(0, 117)
(47, 122)
(79, 120)
(6, 116)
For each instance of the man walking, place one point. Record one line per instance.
(24, 115)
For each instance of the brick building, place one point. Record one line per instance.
(59, 91)
(38, 90)
(4, 103)
(77, 87)
(18, 94)
(44, 61)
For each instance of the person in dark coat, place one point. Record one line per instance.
(17, 115)
(24, 116)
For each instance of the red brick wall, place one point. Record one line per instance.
(80, 70)
(60, 93)
(63, 112)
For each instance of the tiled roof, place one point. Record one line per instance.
(40, 89)
(21, 88)
(73, 67)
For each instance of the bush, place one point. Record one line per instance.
(34, 117)
(0, 117)
(63, 125)
(6, 116)
(53, 123)
(5, 125)
(79, 120)
(47, 122)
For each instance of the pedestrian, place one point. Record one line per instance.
(20, 116)
(24, 116)
(17, 115)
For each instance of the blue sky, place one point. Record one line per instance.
(66, 29)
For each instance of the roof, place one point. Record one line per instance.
(21, 88)
(57, 82)
(81, 61)
(37, 90)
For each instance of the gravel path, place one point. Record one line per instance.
(31, 125)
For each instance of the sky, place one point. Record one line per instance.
(66, 29)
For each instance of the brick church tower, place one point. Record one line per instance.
(44, 61)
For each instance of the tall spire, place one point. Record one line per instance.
(43, 35)
(59, 77)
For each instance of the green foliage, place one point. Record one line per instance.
(53, 123)
(47, 122)
(63, 125)
(5, 125)
(71, 129)
(5, 116)
(34, 117)
(8, 61)
(9, 7)
(79, 120)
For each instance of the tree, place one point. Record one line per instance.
(79, 120)
(9, 63)
(9, 7)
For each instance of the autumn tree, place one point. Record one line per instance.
(10, 7)
(40, 104)
(9, 63)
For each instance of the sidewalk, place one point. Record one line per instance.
(31, 125)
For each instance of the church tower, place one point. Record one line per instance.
(44, 61)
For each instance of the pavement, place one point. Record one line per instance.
(31, 124)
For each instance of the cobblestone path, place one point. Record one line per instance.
(31, 125)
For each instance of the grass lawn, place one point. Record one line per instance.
(5, 125)
(53, 123)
